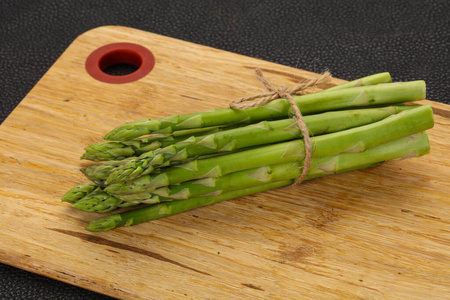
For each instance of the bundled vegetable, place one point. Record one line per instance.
(170, 165)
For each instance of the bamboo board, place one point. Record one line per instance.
(378, 233)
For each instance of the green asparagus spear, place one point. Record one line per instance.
(352, 140)
(312, 103)
(414, 145)
(117, 150)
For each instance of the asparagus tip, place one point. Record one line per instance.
(78, 192)
(104, 224)
(88, 156)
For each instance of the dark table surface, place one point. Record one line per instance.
(408, 38)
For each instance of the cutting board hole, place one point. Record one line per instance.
(120, 69)
(120, 63)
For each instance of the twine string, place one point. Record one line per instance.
(286, 93)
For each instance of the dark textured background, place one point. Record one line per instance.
(408, 38)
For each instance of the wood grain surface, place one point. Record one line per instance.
(379, 233)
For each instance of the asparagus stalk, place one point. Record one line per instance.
(240, 138)
(312, 103)
(352, 140)
(98, 173)
(117, 150)
(414, 145)
(368, 80)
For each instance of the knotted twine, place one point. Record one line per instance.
(287, 93)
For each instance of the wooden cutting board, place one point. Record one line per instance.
(380, 233)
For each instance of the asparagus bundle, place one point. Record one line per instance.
(312, 103)
(235, 139)
(188, 161)
(356, 139)
(415, 145)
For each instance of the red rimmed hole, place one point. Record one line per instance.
(120, 63)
